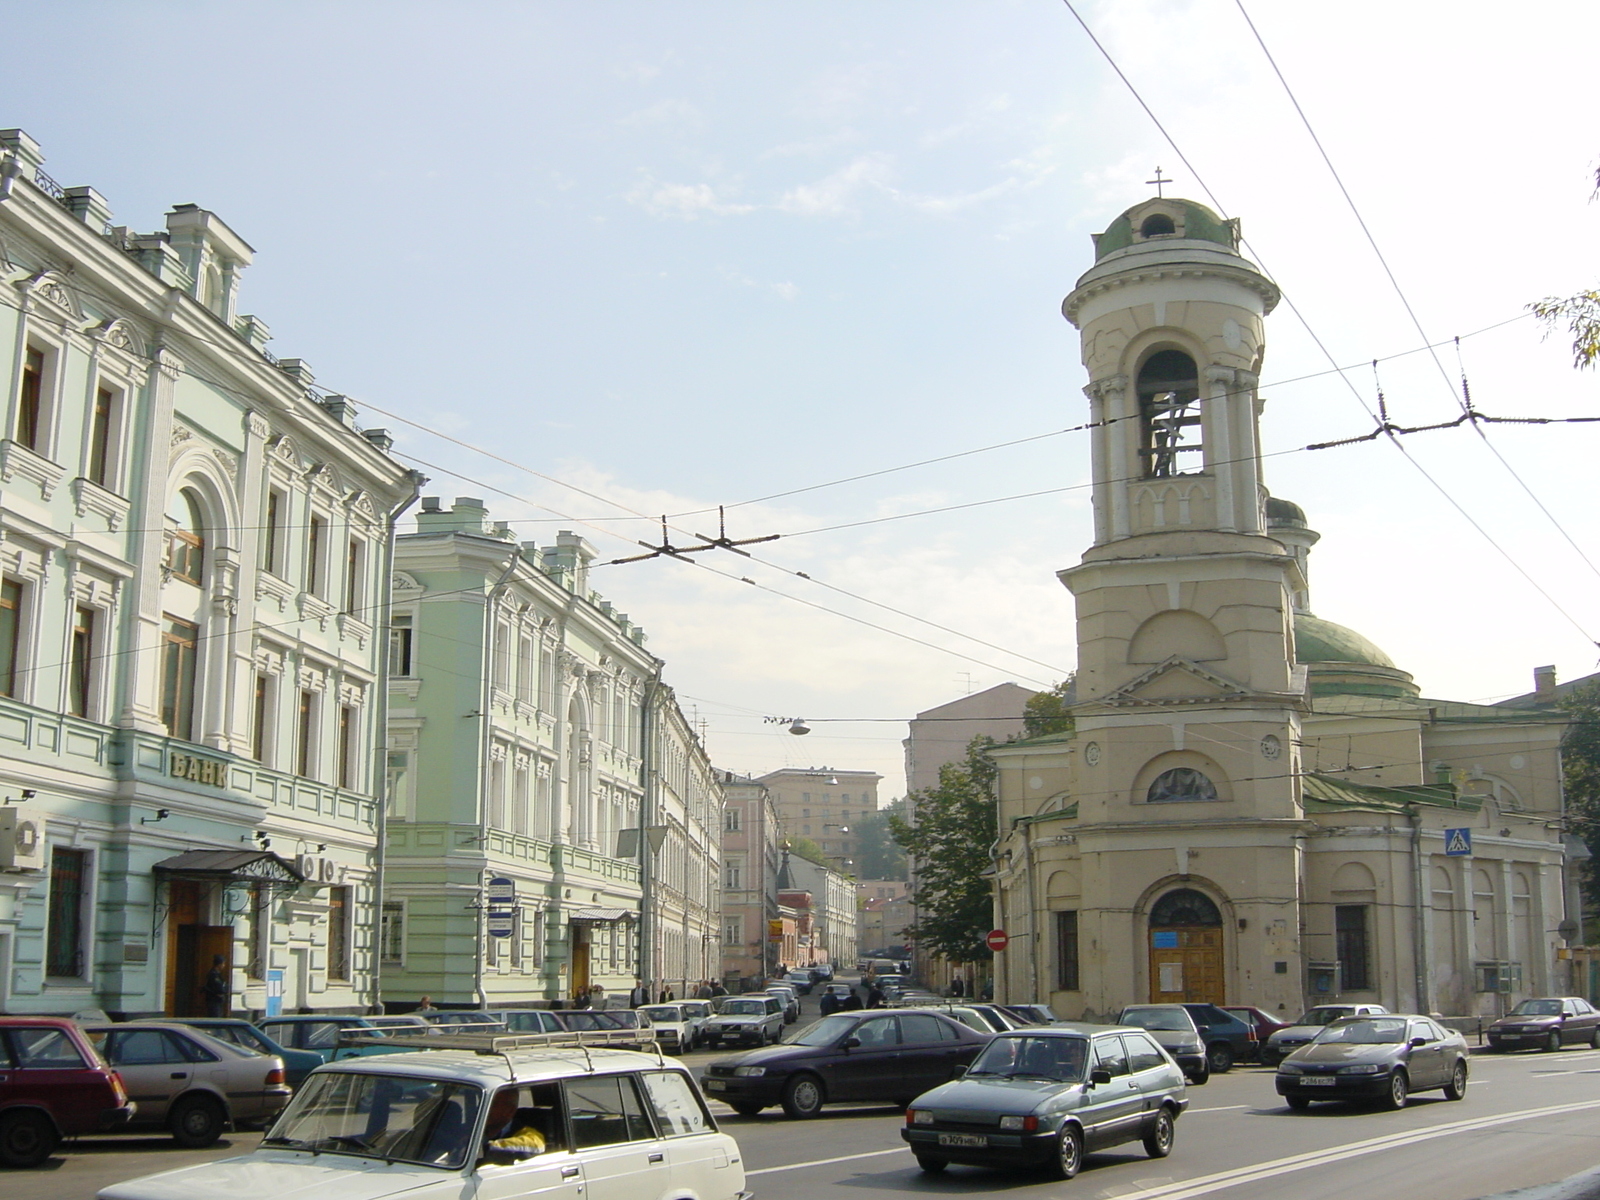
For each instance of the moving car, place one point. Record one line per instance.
(1383, 1058)
(1286, 1040)
(1176, 1031)
(53, 1085)
(754, 1020)
(871, 1055)
(487, 1117)
(676, 1030)
(1048, 1095)
(1228, 1039)
(801, 981)
(1547, 1024)
(297, 1064)
(190, 1083)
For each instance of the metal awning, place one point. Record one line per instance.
(218, 865)
(601, 916)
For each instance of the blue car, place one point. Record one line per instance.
(297, 1064)
(320, 1035)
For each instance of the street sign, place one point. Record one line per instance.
(502, 892)
(997, 940)
(1458, 841)
(502, 924)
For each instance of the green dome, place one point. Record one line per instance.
(1343, 663)
(1284, 512)
(1197, 223)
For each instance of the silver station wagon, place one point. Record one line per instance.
(1046, 1096)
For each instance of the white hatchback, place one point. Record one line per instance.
(491, 1118)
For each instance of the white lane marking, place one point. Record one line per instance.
(822, 1162)
(1223, 1108)
(1299, 1162)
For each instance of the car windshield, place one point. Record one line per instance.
(1322, 1016)
(1168, 1020)
(745, 1008)
(825, 1032)
(1058, 1058)
(1363, 1031)
(427, 1121)
(1537, 1008)
(661, 1012)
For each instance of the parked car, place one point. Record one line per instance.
(823, 972)
(1286, 1040)
(459, 1020)
(320, 1035)
(1547, 1024)
(1383, 1058)
(625, 1027)
(1032, 1014)
(985, 1018)
(833, 997)
(676, 1030)
(872, 1055)
(755, 1020)
(1227, 1039)
(527, 1020)
(1048, 1095)
(801, 981)
(542, 1122)
(1175, 1030)
(789, 997)
(297, 1064)
(190, 1083)
(1262, 1023)
(53, 1085)
(401, 1025)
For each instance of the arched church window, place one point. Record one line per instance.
(1157, 225)
(186, 545)
(1169, 415)
(1180, 784)
(1184, 907)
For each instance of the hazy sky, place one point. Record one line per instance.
(690, 254)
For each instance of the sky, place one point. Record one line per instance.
(640, 259)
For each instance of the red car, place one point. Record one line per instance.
(52, 1086)
(1263, 1024)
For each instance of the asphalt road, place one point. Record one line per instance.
(1528, 1119)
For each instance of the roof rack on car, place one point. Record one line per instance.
(500, 1043)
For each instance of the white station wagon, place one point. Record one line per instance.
(489, 1117)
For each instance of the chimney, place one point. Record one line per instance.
(1544, 681)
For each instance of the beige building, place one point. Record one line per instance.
(1256, 806)
(940, 735)
(824, 805)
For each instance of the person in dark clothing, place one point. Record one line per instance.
(717, 989)
(639, 996)
(874, 997)
(958, 987)
(216, 987)
(852, 1002)
(666, 995)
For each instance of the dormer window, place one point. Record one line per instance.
(1157, 225)
(1169, 415)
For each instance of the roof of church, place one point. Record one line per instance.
(1325, 793)
(1444, 712)
(1199, 222)
(1316, 640)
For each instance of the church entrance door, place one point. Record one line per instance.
(1186, 950)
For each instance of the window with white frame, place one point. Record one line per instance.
(733, 931)
(66, 918)
(733, 874)
(273, 543)
(12, 594)
(392, 932)
(35, 393)
(731, 817)
(103, 455)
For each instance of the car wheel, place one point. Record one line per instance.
(26, 1139)
(931, 1166)
(1399, 1087)
(1553, 1042)
(1200, 1076)
(1220, 1058)
(1594, 1039)
(713, 1044)
(745, 1109)
(1298, 1103)
(1158, 1142)
(802, 1097)
(1456, 1089)
(1069, 1153)
(196, 1122)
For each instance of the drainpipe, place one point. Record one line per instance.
(380, 761)
(1419, 932)
(647, 771)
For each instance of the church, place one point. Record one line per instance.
(1257, 806)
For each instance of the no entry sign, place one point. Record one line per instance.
(997, 940)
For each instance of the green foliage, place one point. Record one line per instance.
(878, 855)
(1581, 316)
(954, 829)
(1580, 761)
(804, 847)
(1046, 712)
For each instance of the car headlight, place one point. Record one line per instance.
(749, 1071)
(1189, 1047)
(1364, 1069)
(921, 1116)
(1290, 1068)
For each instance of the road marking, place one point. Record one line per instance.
(1223, 1108)
(822, 1162)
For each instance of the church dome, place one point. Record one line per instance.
(1285, 512)
(1151, 220)
(1342, 663)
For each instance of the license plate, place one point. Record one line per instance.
(963, 1139)
(1316, 1081)
(714, 1085)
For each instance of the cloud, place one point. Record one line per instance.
(784, 290)
(665, 112)
(686, 201)
(834, 195)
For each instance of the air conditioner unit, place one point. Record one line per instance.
(21, 840)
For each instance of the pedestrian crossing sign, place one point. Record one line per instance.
(1458, 841)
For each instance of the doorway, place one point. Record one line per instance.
(580, 960)
(1185, 946)
(191, 947)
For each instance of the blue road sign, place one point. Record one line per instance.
(1458, 841)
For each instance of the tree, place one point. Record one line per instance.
(804, 847)
(1580, 762)
(1580, 313)
(878, 855)
(1046, 712)
(953, 830)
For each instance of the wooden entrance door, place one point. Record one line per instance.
(191, 947)
(1186, 950)
(580, 960)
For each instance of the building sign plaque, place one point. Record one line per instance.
(192, 767)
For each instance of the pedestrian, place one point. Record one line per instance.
(639, 996)
(958, 987)
(704, 992)
(425, 1006)
(852, 1002)
(216, 987)
(874, 996)
(597, 996)
(717, 989)
(666, 994)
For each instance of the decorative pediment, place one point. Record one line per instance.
(400, 582)
(325, 476)
(1176, 681)
(286, 453)
(119, 334)
(361, 507)
(52, 289)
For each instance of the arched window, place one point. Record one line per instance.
(1184, 907)
(186, 544)
(1180, 784)
(1169, 415)
(1157, 225)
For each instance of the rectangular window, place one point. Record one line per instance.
(101, 424)
(733, 931)
(526, 661)
(392, 933)
(1067, 951)
(271, 539)
(731, 875)
(81, 668)
(730, 819)
(399, 646)
(180, 649)
(1350, 945)
(347, 747)
(261, 717)
(315, 538)
(64, 932)
(30, 400)
(354, 564)
(338, 933)
(306, 729)
(10, 634)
